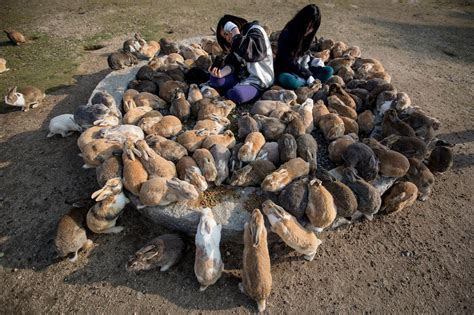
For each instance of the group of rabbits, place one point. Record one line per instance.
(169, 141)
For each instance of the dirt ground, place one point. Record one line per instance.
(418, 261)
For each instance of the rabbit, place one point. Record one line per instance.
(147, 99)
(110, 168)
(266, 107)
(335, 79)
(338, 49)
(341, 94)
(190, 52)
(209, 92)
(252, 174)
(344, 198)
(368, 198)
(167, 149)
(325, 43)
(319, 110)
(212, 109)
(307, 149)
(256, 273)
(128, 99)
(321, 209)
(27, 97)
(294, 197)
(338, 63)
(132, 46)
(15, 37)
(366, 122)
(226, 139)
(154, 164)
(270, 152)
(111, 200)
(286, 96)
(384, 102)
(332, 126)
(168, 46)
(88, 136)
(350, 125)
(211, 46)
(203, 63)
(105, 98)
(322, 94)
(99, 150)
(423, 125)
(234, 162)
(290, 231)
(95, 115)
(63, 125)
(192, 139)
(149, 120)
(168, 89)
(194, 94)
(164, 252)
(353, 51)
(169, 126)
(420, 175)
(173, 59)
(133, 116)
(151, 49)
(3, 65)
(392, 125)
(208, 265)
(399, 197)
(306, 112)
(121, 133)
(189, 171)
(221, 156)
(363, 159)
(71, 235)
(285, 174)
(295, 124)
(246, 125)
(305, 92)
(392, 163)
(288, 147)
(180, 107)
(338, 146)
(134, 173)
(121, 59)
(206, 163)
(161, 191)
(252, 145)
(441, 158)
(324, 55)
(411, 147)
(335, 104)
(214, 125)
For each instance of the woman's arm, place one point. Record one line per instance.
(286, 60)
(250, 46)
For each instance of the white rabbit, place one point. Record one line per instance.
(63, 125)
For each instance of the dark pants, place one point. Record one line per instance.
(236, 92)
(292, 81)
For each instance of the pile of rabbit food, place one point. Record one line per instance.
(323, 155)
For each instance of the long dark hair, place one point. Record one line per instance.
(297, 27)
(240, 22)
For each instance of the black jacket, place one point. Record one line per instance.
(285, 62)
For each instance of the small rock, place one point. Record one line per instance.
(140, 295)
(2, 254)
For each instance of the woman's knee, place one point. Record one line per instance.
(290, 81)
(242, 93)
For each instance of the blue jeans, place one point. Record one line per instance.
(292, 81)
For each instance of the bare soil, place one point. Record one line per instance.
(417, 261)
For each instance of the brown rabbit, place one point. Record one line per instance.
(3, 65)
(71, 235)
(252, 174)
(214, 125)
(295, 124)
(420, 175)
(271, 128)
(189, 171)
(337, 90)
(270, 152)
(15, 37)
(226, 139)
(366, 122)
(350, 125)
(160, 191)
(338, 146)
(335, 104)
(26, 97)
(321, 209)
(308, 150)
(392, 125)
(206, 163)
(164, 251)
(192, 139)
(134, 173)
(128, 101)
(400, 196)
(285, 174)
(332, 126)
(149, 100)
(167, 149)
(252, 145)
(256, 270)
(121, 59)
(133, 116)
(246, 125)
(154, 164)
(290, 231)
(180, 107)
(169, 126)
(110, 168)
(88, 135)
(392, 163)
(319, 110)
(99, 150)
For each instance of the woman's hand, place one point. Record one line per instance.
(220, 73)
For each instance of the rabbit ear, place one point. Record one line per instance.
(373, 162)
(205, 226)
(146, 249)
(96, 193)
(137, 152)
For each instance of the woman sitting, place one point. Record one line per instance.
(294, 66)
(248, 67)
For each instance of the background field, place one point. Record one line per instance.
(420, 260)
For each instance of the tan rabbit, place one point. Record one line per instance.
(400, 196)
(149, 120)
(3, 65)
(226, 139)
(211, 46)
(180, 107)
(420, 175)
(338, 49)
(290, 231)
(339, 107)
(149, 100)
(128, 101)
(208, 265)
(319, 110)
(212, 109)
(194, 94)
(346, 73)
(154, 164)
(252, 145)
(134, 173)
(337, 90)
(15, 37)
(256, 269)
(350, 125)
(366, 121)
(271, 128)
(323, 55)
(189, 171)
(190, 52)
(214, 125)
(265, 107)
(133, 116)
(246, 125)
(252, 174)
(99, 150)
(306, 112)
(167, 149)
(295, 124)
(26, 97)
(286, 96)
(338, 146)
(169, 126)
(87, 136)
(209, 92)
(192, 139)
(110, 168)
(71, 235)
(151, 49)
(305, 92)
(352, 51)
(338, 63)
(332, 126)
(111, 200)
(206, 163)
(164, 252)
(392, 163)
(325, 43)
(160, 191)
(168, 89)
(321, 209)
(285, 174)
